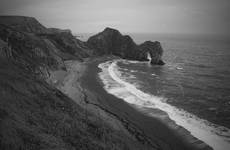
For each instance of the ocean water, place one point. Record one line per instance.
(193, 88)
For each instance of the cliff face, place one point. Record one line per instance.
(154, 49)
(111, 41)
(67, 43)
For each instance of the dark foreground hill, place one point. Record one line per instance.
(35, 115)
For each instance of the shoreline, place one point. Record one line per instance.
(131, 92)
(82, 84)
(172, 135)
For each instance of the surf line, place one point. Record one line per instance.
(211, 134)
(149, 58)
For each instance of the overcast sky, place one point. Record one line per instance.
(148, 16)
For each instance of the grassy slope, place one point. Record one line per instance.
(34, 115)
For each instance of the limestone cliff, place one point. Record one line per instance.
(111, 41)
(154, 49)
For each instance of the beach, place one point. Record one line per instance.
(81, 83)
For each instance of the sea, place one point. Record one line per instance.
(192, 88)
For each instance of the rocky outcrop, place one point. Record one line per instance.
(5, 52)
(28, 50)
(155, 51)
(111, 41)
(67, 43)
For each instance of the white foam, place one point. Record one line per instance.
(149, 57)
(179, 68)
(217, 137)
(133, 71)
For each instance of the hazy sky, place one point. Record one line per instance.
(151, 16)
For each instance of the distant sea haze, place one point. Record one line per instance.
(165, 37)
(192, 88)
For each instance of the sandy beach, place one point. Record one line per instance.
(81, 83)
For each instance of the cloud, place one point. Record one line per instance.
(180, 16)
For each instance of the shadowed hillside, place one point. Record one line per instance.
(33, 113)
